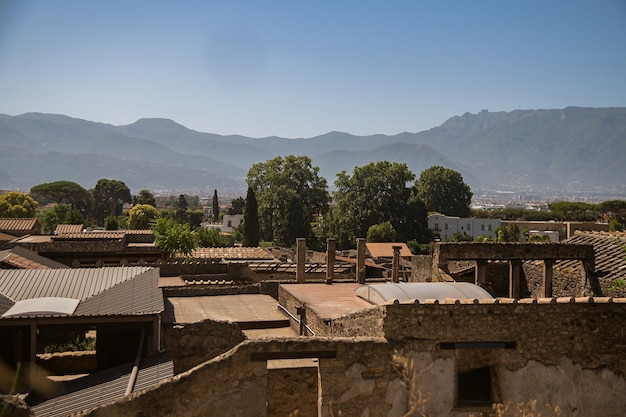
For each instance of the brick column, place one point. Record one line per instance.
(360, 260)
(515, 271)
(300, 259)
(480, 273)
(331, 246)
(395, 266)
(547, 277)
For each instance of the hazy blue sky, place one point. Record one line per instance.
(304, 68)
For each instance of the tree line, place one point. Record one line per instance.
(287, 199)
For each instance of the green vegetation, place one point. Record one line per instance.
(16, 205)
(443, 191)
(290, 194)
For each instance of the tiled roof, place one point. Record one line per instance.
(385, 249)
(7, 237)
(23, 225)
(68, 228)
(101, 291)
(610, 256)
(232, 253)
(22, 258)
(107, 234)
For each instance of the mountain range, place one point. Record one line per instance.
(576, 149)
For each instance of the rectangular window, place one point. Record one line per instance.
(446, 226)
(490, 228)
(468, 227)
(482, 227)
(230, 223)
(474, 387)
(436, 226)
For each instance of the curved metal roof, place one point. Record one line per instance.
(43, 306)
(420, 291)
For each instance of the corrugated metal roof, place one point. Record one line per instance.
(102, 291)
(421, 291)
(103, 387)
(140, 295)
(18, 225)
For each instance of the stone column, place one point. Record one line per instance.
(360, 260)
(547, 277)
(395, 268)
(331, 246)
(480, 273)
(515, 271)
(300, 259)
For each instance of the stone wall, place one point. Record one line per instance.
(192, 344)
(588, 333)
(67, 363)
(292, 391)
(371, 377)
(363, 323)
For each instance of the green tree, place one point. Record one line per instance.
(15, 204)
(250, 223)
(174, 237)
(382, 232)
(612, 210)
(63, 192)
(572, 211)
(145, 197)
(59, 191)
(236, 206)
(376, 193)
(111, 223)
(508, 233)
(290, 194)
(181, 209)
(109, 197)
(211, 238)
(141, 216)
(216, 208)
(59, 214)
(443, 191)
(462, 237)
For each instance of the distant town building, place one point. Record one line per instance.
(446, 226)
(229, 223)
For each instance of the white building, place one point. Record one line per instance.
(445, 226)
(229, 223)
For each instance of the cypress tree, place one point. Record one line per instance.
(216, 208)
(250, 220)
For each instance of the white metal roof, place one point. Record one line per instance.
(420, 291)
(43, 306)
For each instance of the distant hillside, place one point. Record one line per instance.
(568, 149)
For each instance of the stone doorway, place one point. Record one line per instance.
(292, 387)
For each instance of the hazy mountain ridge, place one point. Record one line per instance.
(516, 150)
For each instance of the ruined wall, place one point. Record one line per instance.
(291, 391)
(588, 333)
(363, 323)
(373, 377)
(192, 344)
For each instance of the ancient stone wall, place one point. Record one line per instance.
(372, 377)
(588, 333)
(363, 323)
(192, 344)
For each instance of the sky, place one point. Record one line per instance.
(304, 68)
